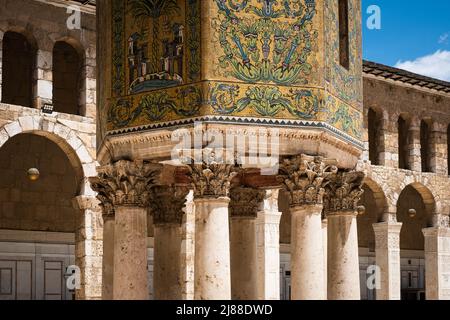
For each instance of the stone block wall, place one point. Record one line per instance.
(394, 99)
(42, 31)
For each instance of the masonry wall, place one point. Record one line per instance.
(42, 205)
(42, 31)
(404, 189)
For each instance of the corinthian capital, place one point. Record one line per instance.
(125, 183)
(211, 177)
(245, 202)
(305, 177)
(167, 203)
(343, 192)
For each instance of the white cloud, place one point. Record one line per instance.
(443, 39)
(436, 65)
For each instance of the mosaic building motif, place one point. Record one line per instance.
(264, 61)
(156, 44)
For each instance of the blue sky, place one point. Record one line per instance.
(414, 35)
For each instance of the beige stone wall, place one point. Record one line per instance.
(42, 205)
(392, 99)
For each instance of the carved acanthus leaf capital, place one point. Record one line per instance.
(125, 183)
(167, 204)
(343, 192)
(211, 176)
(305, 177)
(245, 202)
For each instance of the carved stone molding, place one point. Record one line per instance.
(125, 183)
(441, 221)
(167, 204)
(245, 202)
(343, 192)
(211, 176)
(305, 177)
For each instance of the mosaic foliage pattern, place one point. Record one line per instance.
(267, 41)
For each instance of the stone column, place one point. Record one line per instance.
(88, 248)
(437, 261)
(108, 256)
(325, 254)
(388, 141)
(414, 157)
(342, 195)
(268, 248)
(303, 179)
(108, 242)
(387, 251)
(188, 248)
(167, 204)
(43, 90)
(243, 211)
(127, 184)
(211, 183)
(439, 152)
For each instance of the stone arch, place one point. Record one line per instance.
(378, 193)
(18, 49)
(66, 138)
(375, 138)
(375, 203)
(432, 203)
(67, 77)
(403, 125)
(74, 43)
(415, 196)
(82, 73)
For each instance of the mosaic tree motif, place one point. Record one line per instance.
(266, 40)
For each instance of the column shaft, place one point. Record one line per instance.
(437, 263)
(268, 255)
(387, 251)
(343, 260)
(212, 249)
(167, 262)
(130, 253)
(243, 258)
(108, 258)
(325, 256)
(307, 276)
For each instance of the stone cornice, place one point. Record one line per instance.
(161, 139)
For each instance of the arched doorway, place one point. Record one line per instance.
(37, 219)
(17, 69)
(66, 78)
(374, 201)
(415, 207)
